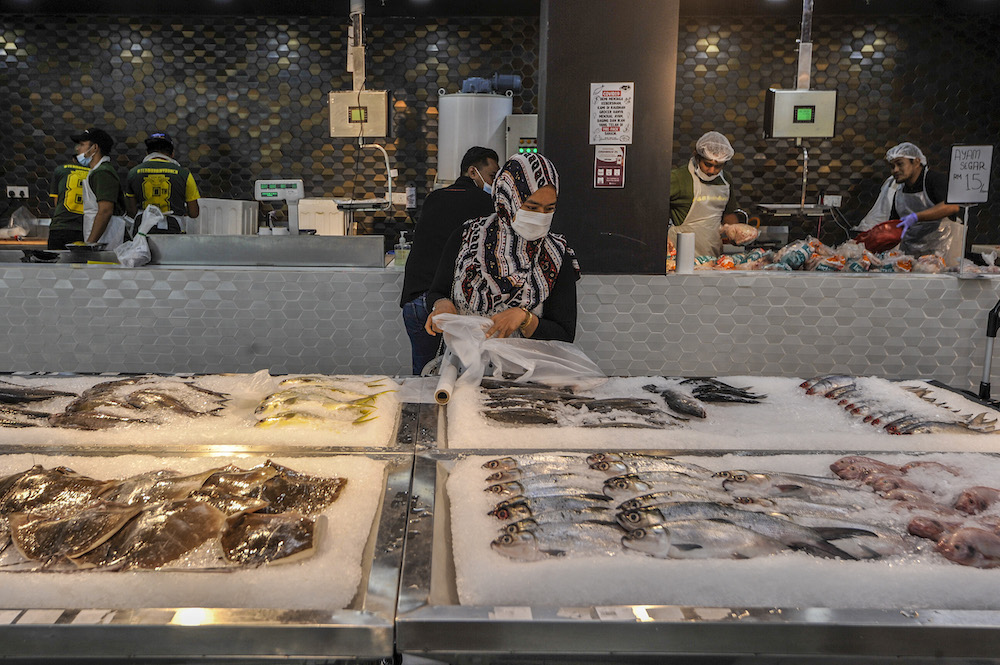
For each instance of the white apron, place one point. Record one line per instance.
(882, 208)
(704, 219)
(114, 233)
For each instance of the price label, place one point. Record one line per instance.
(969, 174)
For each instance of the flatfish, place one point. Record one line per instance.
(230, 504)
(58, 488)
(154, 486)
(157, 536)
(234, 480)
(292, 491)
(253, 539)
(45, 537)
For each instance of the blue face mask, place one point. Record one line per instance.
(84, 161)
(487, 187)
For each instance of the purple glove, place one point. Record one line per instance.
(907, 221)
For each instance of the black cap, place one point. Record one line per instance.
(98, 136)
(159, 141)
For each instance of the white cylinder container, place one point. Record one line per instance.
(466, 119)
(685, 253)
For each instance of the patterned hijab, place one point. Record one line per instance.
(497, 269)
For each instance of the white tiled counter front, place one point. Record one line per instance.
(95, 318)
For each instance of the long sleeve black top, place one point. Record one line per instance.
(444, 211)
(558, 319)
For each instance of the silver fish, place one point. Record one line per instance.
(519, 461)
(601, 515)
(11, 393)
(669, 496)
(643, 464)
(150, 398)
(809, 539)
(549, 487)
(700, 539)
(523, 507)
(792, 485)
(92, 420)
(828, 383)
(583, 539)
(632, 485)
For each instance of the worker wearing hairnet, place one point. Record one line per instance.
(701, 200)
(916, 196)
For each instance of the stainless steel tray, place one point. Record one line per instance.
(362, 631)
(431, 623)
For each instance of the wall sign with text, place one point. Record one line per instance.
(609, 166)
(969, 174)
(611, 107)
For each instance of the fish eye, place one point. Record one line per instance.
(601, 466)
(492, 464)
(638, 534)
(632, 517)
(621, 484)
(739, 477)
(495, 489)
(506, 539)
(743, 499)
(502, 514)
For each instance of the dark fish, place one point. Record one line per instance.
(108, 387)
(491, 384)
(292, 491)
(606, 405)
(254, 539)
(93, 420)
(678, 401)
(521, 417)
(45, 537)
(20, 417)
(11, 393)
(8, 422)
(230, 504)
(714, 387)
(152, 487)
(150, 398)
(234, 480)
(535, 393)
(157, 536)
(59, 488)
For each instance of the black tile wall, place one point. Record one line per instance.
(244, 98)
(932, 80)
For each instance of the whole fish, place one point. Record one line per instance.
(148, 398)
(523, 507)
(11, 393)
(40, 489)
(303, 419)
(45, 537)
(790, 485)
(152, 487)
(18, 414)
(541, 471)
(936, 427)
(857, 467)
(518, 461)
(809, 539)
(883, 416)
(828, 383)
(971, 547)
(254, 539)
(976, 499)
(582, 539)
(840, 391)
(700, 539)
(601, 515)
(630, 404)
(93, 420)
(645, 464)
(553, 484)
(894, 426)
(522, 416)
(678, 401)
(632, 485)
(540, 394)
(668, 496)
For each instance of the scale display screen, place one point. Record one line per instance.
(805, 114)
(279, 190)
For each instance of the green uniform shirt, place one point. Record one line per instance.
(66, 188)
(682, 193)
(161, 183)
(107, 186)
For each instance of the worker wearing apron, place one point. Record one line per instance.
(103, 196)
(916, 195)
(701, 199)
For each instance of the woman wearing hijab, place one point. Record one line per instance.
(507, 266)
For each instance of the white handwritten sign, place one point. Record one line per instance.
(611, 108)
(969, 175)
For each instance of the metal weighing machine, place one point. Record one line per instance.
(282, 190)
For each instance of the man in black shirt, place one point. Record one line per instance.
(917, 197)
(444, 211)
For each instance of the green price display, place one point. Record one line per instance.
(805, 114)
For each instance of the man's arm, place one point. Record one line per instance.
(193, 209)
(937, 211)
(131, 206)
(104, 211)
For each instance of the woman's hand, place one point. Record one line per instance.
(506, 322)
(442, 306)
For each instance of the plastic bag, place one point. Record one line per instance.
(740, 234)
(831, 264)
(881, 236)
(929, 264)
(135, 252)
(22, 224)
(544, 361)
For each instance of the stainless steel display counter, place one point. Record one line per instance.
(361, 632)
(287, 251)
(431, 623)
(333, 320)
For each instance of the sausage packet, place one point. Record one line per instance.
(833, 263)
(725, 262)
(795, 254)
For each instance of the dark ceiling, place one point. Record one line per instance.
(423, 8)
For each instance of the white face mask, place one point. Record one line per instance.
(704, 177)
(532, 225)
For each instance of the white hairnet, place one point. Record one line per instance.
(907, 150)
(714, 146)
